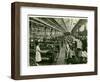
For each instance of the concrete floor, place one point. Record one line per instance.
(61, 57)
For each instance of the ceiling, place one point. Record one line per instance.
(61, 24)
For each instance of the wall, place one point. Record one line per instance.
(5, 40)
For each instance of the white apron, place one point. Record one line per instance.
(38, 54)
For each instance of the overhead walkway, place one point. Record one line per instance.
(78, 25)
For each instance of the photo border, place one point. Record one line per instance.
(15, 39)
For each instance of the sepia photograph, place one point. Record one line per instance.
(50, 40)
(56, 40)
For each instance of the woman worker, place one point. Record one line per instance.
(38, 57)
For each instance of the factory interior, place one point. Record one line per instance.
(64, 38)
